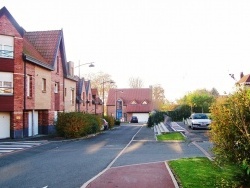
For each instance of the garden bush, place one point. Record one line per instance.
(117, 122)
(110, 120)
(155, 117)
(230, 131)
(77, 124)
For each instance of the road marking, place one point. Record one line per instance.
(112, 162)
(8, 147)
(203, 151)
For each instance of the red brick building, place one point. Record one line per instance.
(127, 102)
(36, 81)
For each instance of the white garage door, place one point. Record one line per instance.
(4, 124)
(142, 117)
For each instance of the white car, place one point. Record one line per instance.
(198, 120)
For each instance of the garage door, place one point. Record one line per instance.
(4, 124)
(142, 117)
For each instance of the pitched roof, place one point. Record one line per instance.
(4, 11)
(244, 80)
(46, 42)
(128, 95)
(41, 47)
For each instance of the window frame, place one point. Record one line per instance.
(44, 85)
(29, 86)
(6, 47)
(6, 79)
(72, 96)
(56, 89)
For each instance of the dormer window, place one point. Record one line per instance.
(133, 102)
(144, 102)
(6, 47)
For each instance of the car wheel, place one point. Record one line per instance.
(192, 127)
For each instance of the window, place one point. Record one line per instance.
(144, 102)
(57, 65)
(29, 86)
(56, 87)
(6, 83)
(133, 102)
(44, 85)
(83, 98)
(65, 92)
(72, 97)
(6, 46)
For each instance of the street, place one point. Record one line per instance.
(73, 163)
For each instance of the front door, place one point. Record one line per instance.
(33, 123)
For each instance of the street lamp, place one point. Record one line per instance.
(103, 82)
(116, 102)
(91, 64)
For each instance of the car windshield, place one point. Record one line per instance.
(200, 116)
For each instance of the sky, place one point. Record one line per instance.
(178, 44)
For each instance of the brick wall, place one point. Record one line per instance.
(57, 76)
(30, 101)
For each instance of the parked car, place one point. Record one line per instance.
(198, 120)
(105, 124)
(134, 119)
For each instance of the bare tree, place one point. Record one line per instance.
(158, 97)
(135, 82)
(102, 81)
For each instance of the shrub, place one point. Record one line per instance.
(155, 118)
(77, 124)
(117, 122)
(230, 130)
(110, 120)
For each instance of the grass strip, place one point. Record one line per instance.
(170, 136)
(200, 172)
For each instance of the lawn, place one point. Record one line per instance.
(170, 136)
(200, 172)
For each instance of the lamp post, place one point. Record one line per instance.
(91, 64)
(116, 102)
(103, 82)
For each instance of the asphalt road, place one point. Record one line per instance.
(63, 164)
(72, 163)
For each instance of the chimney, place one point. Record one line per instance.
(241, 74)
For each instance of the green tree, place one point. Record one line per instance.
(230, 130)
(199, 100)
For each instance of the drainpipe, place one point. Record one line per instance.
(24, 96)
(33, 122)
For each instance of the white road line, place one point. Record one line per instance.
(6, 151)
(22, 143)
(3, 148)
(112, 162)
(8, 147)
(23, 146)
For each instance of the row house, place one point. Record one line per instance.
(36, 81)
